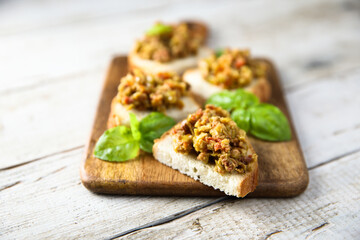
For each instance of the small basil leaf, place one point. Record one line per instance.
(147, 141)
(233, 100)
(135, 127)
(146, 145)
(152, 127)
(244, 99)
(159, 29)
(223, 99)
(117, 144)
(269, 123)
(242, 119)
(219, 52)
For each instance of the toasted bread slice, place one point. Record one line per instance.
(178, 65)
(119, 114)
(202, 89)
(234, 184)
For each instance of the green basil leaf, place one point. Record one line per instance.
(219, 52)
(233, 100)
(159, 29)
(244, 99)
(223, 99)
(152, 127)
(147, 141)
(117, 144)
(242, 119)
(269, 123)
(135, 127)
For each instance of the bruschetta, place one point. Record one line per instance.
(208, 146)
(228, 70)
(174, 47)
(142, 93)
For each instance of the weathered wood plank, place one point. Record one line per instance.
(48, 119)
(23, 16)
(17, 17)
(46, 199)
(88, 44)
(327, 116)
(329, 209)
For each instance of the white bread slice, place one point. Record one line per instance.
(119, 114)
(202, 89)
(234, 184)
(178, 65)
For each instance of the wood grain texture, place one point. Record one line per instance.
(327, 115)
(53, 55)
(287, 33)
(329, 209)
(282, 169)
(46, 199)
(47, 118)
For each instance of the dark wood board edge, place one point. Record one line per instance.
(296, 186)
(284, 189)
(91, 182)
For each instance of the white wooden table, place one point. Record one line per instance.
(53, 58)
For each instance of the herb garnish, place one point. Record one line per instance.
(219, 52)
(159, 29)
(122, 143)
(264, 121)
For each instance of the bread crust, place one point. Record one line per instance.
(247, 184)
(114, 118)
(202, 90)
(251, 180)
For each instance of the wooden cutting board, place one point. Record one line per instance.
(282, 169)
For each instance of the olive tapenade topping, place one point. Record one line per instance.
(231, 69)
(152, 92)
(164, 43)
(215, 138)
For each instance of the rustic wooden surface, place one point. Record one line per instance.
(282, 169)
(53, 58)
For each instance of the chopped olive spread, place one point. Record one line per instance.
(215, 138)
(152, 92)
(231, 69)
(164, 43)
